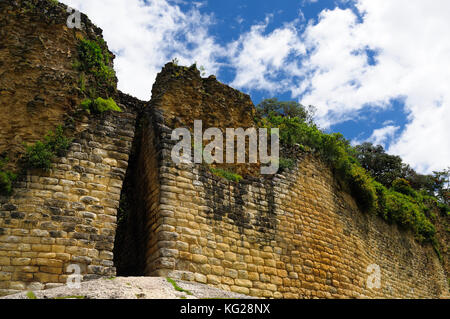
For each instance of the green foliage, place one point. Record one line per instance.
(226, 174)
(333, 148)
(95, 59)
(286, 163)
(202, 70)
(41, 154)
(376, 184)
(100, 105)
(381, 192)
(362, 187)
(176, 287)
(82, 82)
(441, 186)
(401, 185)
(57, 142)
(291, 109)
(31, 295)
(407, 212)
(386, 169)
(383, 167)
(6, 178)
(38, 156)
(444, 208)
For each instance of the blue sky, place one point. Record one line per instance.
(376, 70)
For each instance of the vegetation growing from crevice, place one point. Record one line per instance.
(7, 178)
(384, 193)
(31, 295)
(97, 78)
(231, 176)
(100, 105)
(95, 60)
(41, 154)
(286, 163)
(178, 288)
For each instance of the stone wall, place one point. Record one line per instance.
(294, 236)
(67, 215)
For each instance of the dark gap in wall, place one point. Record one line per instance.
(129, 251)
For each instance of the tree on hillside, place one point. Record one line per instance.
(418, 181)
(441, 185)
(386, 168)
(383, 167)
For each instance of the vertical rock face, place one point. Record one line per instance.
(117, 201)
(66, 215)
(39, 86)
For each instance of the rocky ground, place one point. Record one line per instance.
(131, 288)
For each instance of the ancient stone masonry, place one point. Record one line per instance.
(292, 235)
(296, 236)
(116, 203)
(68, 215)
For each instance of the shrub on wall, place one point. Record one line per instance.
(401, 185)
(286, 163)
(95, 59)
(6, 178)
(94, 62)
(41, 154)
(100, 105)
(231, 176)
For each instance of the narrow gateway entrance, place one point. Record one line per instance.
(131, 238)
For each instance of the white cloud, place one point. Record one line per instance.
(146, 35)
(259, 57)
(413, 54)
(412, 61)
(382, 135)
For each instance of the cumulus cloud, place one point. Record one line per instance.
(260, 58)
(412, 52)
(145, 35)
(389, 50)
(382, 135)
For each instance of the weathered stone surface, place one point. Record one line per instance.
(127, 288)
(56, 227)
(295, 235)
